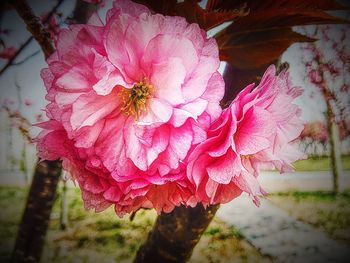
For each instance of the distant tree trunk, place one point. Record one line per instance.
(36, 216)
(33, 227)
(334, 147)
(64, 206)
(175, 235)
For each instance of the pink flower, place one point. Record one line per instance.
(254, 132)
(8, 52)
(127, 102)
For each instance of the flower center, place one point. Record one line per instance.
(135, 99)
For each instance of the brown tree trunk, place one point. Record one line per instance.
(36, 216)
(175, 234)
(33, 227)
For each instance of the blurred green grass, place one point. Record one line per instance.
(103, 237)
(319, 163)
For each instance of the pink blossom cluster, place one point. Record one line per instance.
(255, 132)
(134, 115)
(326, 65)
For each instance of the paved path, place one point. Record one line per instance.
(277, 234)
(302, 181)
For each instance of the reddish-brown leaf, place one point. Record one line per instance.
(254, 41)
(260, 48)
(261, 37)
(255, 5)
(207, 19)
(193, 12)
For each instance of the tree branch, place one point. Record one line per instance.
(27, 58)
(34, 26)
(82, 12)
(33, 227)
(10, 62)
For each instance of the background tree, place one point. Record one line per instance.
(41, 197)
(326, 66)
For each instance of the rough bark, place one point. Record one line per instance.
(175, 235)
(35, 219)
(33, 227)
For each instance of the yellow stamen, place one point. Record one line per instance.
(135, 99)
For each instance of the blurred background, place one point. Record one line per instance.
(306, 214)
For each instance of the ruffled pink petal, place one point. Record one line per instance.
(254, 131)
(224, 169)
(163, 47)
(167, 79)
(118, 54)
(189, 110)
(200, 76)
(89, 109)
(113, 194)
(74, 80)
(213, 94)
(249, 184)
(87, 136)
(159, 111)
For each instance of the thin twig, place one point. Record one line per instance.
(27, 58)
(34, 26)
(10, 62)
